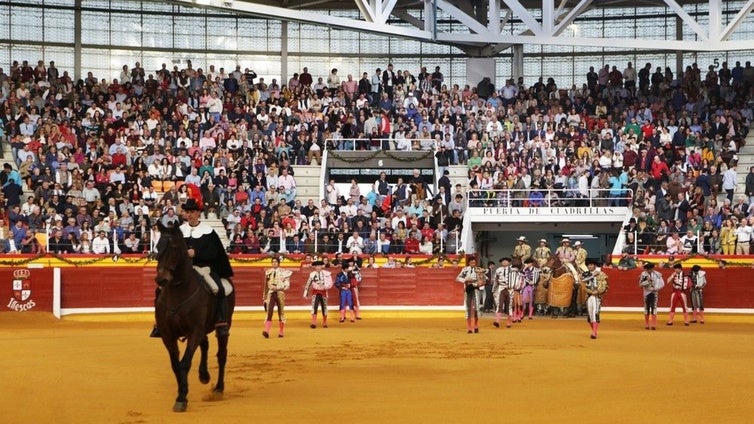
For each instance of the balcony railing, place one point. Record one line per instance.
(547, 198)
(354, 144)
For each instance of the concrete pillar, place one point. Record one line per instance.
(518, 61)
(479, 67)
(77, 41)
(284, 52)
(678, 53)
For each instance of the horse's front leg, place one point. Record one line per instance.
(175, 363)
(204, 376)
(181, 402)
(222, 356)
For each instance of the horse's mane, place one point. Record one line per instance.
(171, 251)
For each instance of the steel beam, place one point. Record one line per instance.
(574, 13)
(488, 36)
(366, 10)
(740, 16)
(691, 22)
(523, 14)
(387, 9)
(471, 23)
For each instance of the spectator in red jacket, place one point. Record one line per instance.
(659, 168)
(411, 245)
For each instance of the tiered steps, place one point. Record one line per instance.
(6, 155)
(307, 183)
(458, 174)
(745, 162)
(219, 227)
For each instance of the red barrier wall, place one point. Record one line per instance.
(726, 288)
(133, 286)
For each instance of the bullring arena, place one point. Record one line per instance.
(395, 365)
(584, 138)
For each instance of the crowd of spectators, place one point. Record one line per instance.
(102, 161)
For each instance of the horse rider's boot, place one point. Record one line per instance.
(221, 323)
(155, 332)
(498, 315)
(670, 317)
(282, 329)
(266, 332)
(314, 321)
(701, 317)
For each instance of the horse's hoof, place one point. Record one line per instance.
(204, 378)
(217, 391)
(180, 407)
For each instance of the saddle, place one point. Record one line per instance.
(212, 281)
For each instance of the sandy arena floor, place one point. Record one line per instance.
(387, 368)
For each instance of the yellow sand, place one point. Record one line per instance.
(388, 368)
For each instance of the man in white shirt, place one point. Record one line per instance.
(101, 244)
(743, 236)
(403, 144)
(332, 193)
(349, 209)
(355, 243)
(399, 217)
(215, 106)
(194, 178)
(287, 181)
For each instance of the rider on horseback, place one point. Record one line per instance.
(208, 254)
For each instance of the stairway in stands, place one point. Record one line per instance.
(745, 162)
(219, 227)
(7, 156)
(458, 174)
(308, 183)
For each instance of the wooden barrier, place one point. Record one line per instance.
(94, 287)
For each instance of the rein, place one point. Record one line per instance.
(174, 310)
(177, 308)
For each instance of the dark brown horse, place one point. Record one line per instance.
(185, 309)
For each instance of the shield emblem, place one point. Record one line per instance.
(21, 290)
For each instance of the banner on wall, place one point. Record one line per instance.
(21, 300)
(26, 289)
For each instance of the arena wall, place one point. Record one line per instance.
(130, 287)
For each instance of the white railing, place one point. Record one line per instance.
(355, 144)
(322, 177)
(533, 198)
(654, 245)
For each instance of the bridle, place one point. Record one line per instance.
(162, 254)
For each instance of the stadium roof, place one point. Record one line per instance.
(711, 23)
